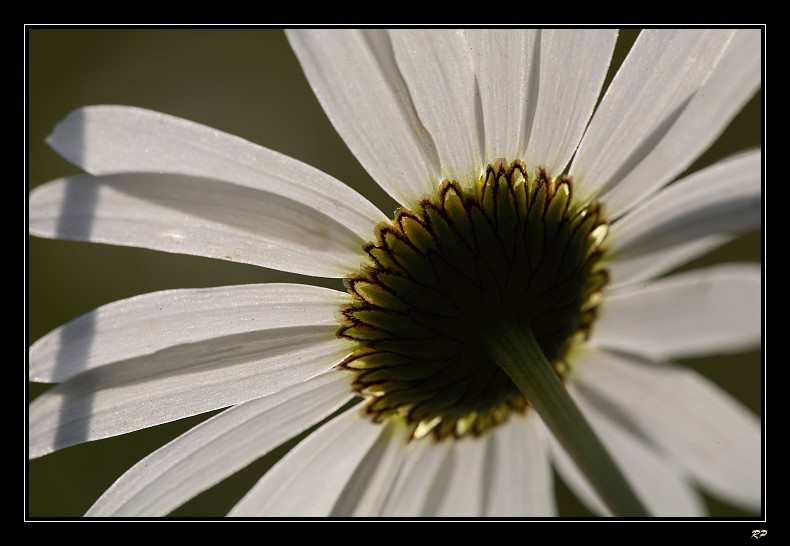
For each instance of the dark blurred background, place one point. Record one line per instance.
(246, 82)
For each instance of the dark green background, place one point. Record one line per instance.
(245, 82)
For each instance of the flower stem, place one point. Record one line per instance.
(515, 350)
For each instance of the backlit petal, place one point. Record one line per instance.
(734, 80)
(440, 76)
(354, 75)
(199, 216)
(702, 428)
(219, 446)
(705, 311)
(657, 81)
(146, 324)
(117, 139)
(310, 478)
(724, 199)
(573, 65)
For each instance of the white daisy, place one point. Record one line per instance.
(472, 133)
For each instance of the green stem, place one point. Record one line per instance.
(516, 351)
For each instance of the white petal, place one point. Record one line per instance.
(412, 494)
(462, 481)
(506, 67)
(573, 66)
(658, 78)
(178, 382)
(220, 446)
(521, 482)
(355, 78)
(706, 311)
(438, 70)
(661, 485)
(733, 82)
(145, 324)
(692, 420)
(374, 479)
(637, 268)
(722, 199)
(198, 216)
(308, 480)
(115, 139)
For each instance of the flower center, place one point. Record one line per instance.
(440, 276)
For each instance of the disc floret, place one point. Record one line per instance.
(515, 249)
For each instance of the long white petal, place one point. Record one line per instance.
(438, 71)
(626, 270)
(178, 382)
(662, 485)
(573, 65)
(116, 139)
(198, 216)
(506, 67)
(220, 446)
(146, 324)
(733, 82)
(354, 76)
(705, 311)
(412, 494)
(463, 482)
(658, 78)
(373, 481)
(722, 199)
(521, 482)
(310, 478)
(692, 420)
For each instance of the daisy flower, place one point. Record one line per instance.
(512, 319)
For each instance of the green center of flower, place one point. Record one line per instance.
(519, 250)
